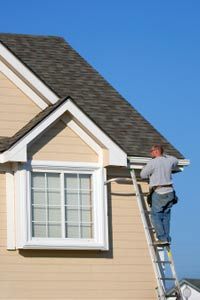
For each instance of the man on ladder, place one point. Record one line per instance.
(159, 171)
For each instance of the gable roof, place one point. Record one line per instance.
(65, 72)
(7, 142)
(194, 283)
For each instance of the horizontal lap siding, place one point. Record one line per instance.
(3, 219)
(124, 272)
(16, 109)
(61, 143)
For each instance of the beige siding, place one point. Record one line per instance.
(2, 210)
(124, 272)
(61, 143)
(16, 109)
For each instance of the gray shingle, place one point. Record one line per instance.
(194, 282)
(7, 142)
(67, 73)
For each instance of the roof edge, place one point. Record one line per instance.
(139, 162)
(17, 149)
(186, 280)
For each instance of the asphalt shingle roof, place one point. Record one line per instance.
(7, 142)
(63, 70)
(193, 282)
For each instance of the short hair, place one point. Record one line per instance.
(158, 147)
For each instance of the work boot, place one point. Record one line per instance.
(161, 243)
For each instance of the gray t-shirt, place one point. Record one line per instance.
(159, 171)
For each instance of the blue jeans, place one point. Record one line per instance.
(160, 214)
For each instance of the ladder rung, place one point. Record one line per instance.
(149, 227)
(167, 278)
(147, 212)
(162, 262)
(160, 246)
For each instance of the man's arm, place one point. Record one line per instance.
(147, 170)
(173, 160)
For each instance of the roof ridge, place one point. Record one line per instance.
(32, 35)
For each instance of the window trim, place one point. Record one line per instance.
(24, 239)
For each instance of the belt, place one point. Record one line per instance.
(159, 186)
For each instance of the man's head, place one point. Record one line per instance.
(156, 150)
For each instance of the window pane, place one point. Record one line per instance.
(86, 215)
(71, 198)
(71, 181)
(38, 197)
(54, 198)
(53, 180)
(54, 231)
(47, 205)
(72, 231)
(54, 214)
(39, 230)
(85, 181)
(38, 180)
(72, 215)
(85, 198)
(86, 231)
(39, 214)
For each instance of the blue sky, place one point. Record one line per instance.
(150, 52)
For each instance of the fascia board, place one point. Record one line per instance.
(22, 86)
(22, 144)
(117, 157)
(25, 73)
(17, 152)
(141, 161)
(87, 139)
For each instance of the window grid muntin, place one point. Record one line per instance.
(46, 206)
(63, 205)
(79, 214)
(80, 206)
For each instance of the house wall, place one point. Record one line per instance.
(123, 272)
(63, 144)
(2, 210)
(16, 109)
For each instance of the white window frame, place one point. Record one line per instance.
(23, 208)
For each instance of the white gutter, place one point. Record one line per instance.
(139, 162)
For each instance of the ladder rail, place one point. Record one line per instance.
(177, 284)
(157, 253)
(157, 271)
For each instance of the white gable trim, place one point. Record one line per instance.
(29, 77)
(18, 152)
(117, 157)
(22, 86)
(84, 136)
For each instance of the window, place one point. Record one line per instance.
(61, 206)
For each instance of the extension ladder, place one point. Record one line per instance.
(161, 256)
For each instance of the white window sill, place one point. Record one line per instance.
(69, 244)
